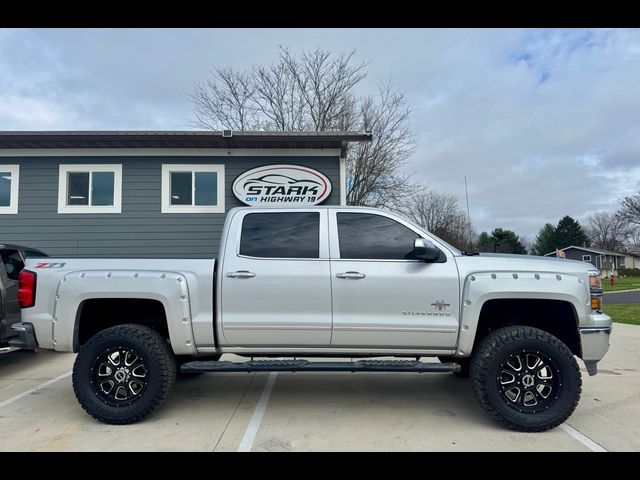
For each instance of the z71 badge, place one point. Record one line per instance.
(49, 265)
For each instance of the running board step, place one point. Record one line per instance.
(307, 366)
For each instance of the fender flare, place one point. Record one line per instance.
(480, 287)
(168, 288)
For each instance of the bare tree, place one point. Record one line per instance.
(311, 92)
(606, 230)
(325, 84)
(316, 91)
(630, 209)
(440, 214)
(374, 169)
(632, 238)
(226, 99)
(528, 244)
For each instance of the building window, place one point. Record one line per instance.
(193, 188)
(586, 258)
(90, 189)
(9, 181)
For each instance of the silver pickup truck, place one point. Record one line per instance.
(295, 285)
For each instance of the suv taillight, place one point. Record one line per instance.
(27, 289)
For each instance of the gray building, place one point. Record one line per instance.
(603, 260)
(155, 194)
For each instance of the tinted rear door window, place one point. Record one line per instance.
(281, 235)
(370, 236)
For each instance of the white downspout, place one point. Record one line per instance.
(343, 181)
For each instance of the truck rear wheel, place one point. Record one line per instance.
(123, 373)
(526, 378)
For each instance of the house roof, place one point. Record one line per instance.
(589, 249)
(179, 139)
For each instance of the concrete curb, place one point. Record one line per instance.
(623, 291)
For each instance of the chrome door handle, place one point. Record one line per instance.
(241, 274)
(352, 275)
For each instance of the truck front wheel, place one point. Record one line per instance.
(526, 378)
(123, 373)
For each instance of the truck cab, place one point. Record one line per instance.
(320, 279)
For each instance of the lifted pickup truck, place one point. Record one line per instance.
(296, 284)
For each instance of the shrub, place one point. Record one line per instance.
(629, 272)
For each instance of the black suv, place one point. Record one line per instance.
(13, 258)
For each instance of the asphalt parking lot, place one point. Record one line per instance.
(313, 412)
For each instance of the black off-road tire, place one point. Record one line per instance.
(488, 363)
(159, 367)
(463, 362)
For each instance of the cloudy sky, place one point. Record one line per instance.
(543, 123)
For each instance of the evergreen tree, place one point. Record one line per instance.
(545, 241)
(485, 244)
(501, 241)
(569, 232)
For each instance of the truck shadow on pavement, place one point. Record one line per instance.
(330, 397)
(17, 361)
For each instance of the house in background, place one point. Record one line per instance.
(603, 260)
(632, 260)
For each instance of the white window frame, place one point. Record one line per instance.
(63, 175)
(586, 258)
(168, 168)
(12, 209)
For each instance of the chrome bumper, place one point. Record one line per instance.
(595, 344)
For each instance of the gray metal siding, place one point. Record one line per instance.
(140, 230)
(576, 254)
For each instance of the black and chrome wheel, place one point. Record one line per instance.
(529, 381)
(526, 378)
(123, 373)
(119, 376)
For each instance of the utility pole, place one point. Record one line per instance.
(466, 192)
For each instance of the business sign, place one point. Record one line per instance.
(281, 185)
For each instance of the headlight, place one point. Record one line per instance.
(595, 289)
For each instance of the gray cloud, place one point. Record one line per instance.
(543, 122)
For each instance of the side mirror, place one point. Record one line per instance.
(425, 250)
